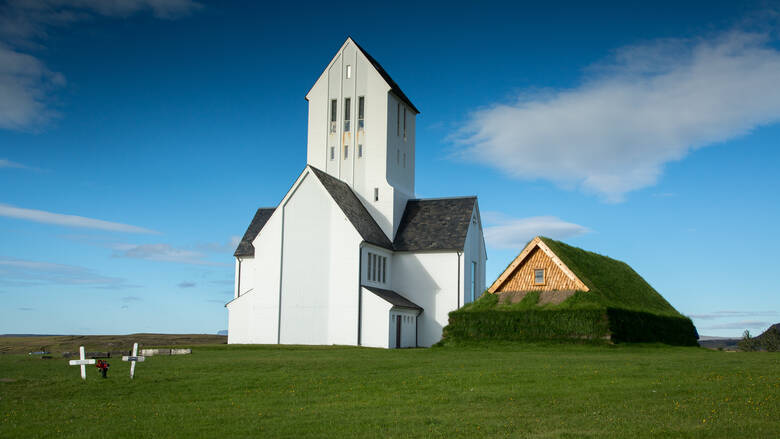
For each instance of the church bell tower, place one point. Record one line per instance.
(361, 131)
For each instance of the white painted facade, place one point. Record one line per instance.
(312, 271)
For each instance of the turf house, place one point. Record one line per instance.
(349, 256)
(553, 291)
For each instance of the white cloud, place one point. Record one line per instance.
(504, 232)
(19, 272)
(24, 86)
(162, 252)
(26, 83)
(5, 163)
(42, 216)
(733, 314)
(228, 246)
(746, 324)
(646, 106)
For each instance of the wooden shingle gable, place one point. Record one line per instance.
(536, 243)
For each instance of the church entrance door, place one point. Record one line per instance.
(398, 332)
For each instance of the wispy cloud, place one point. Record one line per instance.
(193, 254)
(228, 246)
(26, 84)
(745, 324)
(734, 314)
(19, 272)
(5, 163)
(505, 232)
(187, 284)
(42, 216)
(129, 299)
(162, 252)
(645, 106)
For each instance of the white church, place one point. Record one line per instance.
(349, 256)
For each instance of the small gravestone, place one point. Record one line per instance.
(82, 361)
(132, 359)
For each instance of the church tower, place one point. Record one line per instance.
(361, 131)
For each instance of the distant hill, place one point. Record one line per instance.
(727, 343)
(57, 344)
(772, 330)
(222, 332)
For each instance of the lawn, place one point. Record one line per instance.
(496, 390)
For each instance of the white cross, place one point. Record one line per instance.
(132, 359)
(82, 362)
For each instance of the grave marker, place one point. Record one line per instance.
(82, 362)
(132, 359)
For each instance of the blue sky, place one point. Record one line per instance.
(137, 138)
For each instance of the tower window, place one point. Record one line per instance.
(404, 160)
(398, 119)
(376, 194)
(360, 150)
(332, 152)
(404, 123)
(333, 109)
(347, 113)
(539, 276)
(397, 156)
(349, 71)
(361, 112)
(346, 152)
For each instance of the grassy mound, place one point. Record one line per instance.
(620, 306)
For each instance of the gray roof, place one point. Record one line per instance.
(393, 86)
(354, 210)
(434, 224)
(393, 298)
(427, 224)
(245, 247)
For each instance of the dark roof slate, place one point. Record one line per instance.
(354, 210)
(434, 224)
(386, 76)
(245, 247)
(393, 298)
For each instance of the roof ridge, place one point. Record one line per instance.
(443, 198)
(377, 235)
(395, 88)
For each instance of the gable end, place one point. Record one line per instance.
(245, 247)
(519, 275)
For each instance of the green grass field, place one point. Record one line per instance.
(499, 390)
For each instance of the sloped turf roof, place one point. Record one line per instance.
(611, 282)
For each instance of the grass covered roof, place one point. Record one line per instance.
(611, 283)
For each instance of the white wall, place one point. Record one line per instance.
(253, 316)
(430, 280)
(246, 273)
(320, 273)
(251, 320)
(374, 321)
(474, 251)
(318, 250)
(408, 327)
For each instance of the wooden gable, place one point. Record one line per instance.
(520, 275)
